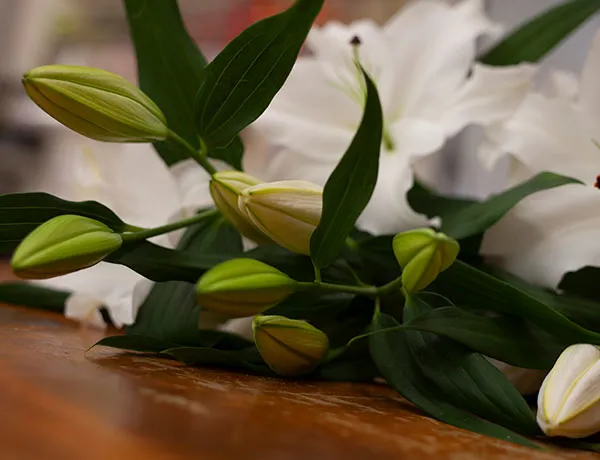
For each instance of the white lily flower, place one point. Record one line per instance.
(422, 62)
(134, 182)
(552, 232)
(569, 400)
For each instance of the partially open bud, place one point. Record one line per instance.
(63, 245)
(243, 287)
(287, 212)
(423, 254)
(569, 400)
(95, 103)
(225, 189)
(289, 347)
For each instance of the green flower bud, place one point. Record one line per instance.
(243, 287)
(96, 103)
(225, 189)
(289, 347)
(287, 211)
(423, 254)
(63, 245)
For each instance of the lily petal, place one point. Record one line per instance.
(109, 285)
(589, 96)
(547, 235)
(428, 75)
(491, 94)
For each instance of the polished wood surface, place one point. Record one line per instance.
(59, 402)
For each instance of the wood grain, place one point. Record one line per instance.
(60, 403)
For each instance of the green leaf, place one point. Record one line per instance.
(474, 219)
(402, 371)
(474, 289)
(584, 312)
(21, 213)
(467, 379)
(354, 369)
(162, 264)
(170, 312)
(243, 79)
(170, 71)
(351, 184)
(584, 283)
(246, 359)
(133, 342)
(534, 39)
(506, 338)
(33, 296)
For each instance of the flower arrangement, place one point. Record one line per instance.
(333, 260)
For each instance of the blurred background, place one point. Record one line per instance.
(94, 33)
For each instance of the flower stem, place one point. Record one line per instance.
(317, 272)
(149, 233)
(366, 290)
(199, 156)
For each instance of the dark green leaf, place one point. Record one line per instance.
(170, 69)
(33, 296)
(162, 264)
(398, 366)
(353, 369)
(474, 289)
(466, 378)
(508, 339)
(243, 79)
(247, 359)
(474, 219)
(351, 184)
(584, 312)
(134, 343)
(308, 305)
(584, 283)
(170, 312)
(21, 213)
(424, 200)
(534, 39)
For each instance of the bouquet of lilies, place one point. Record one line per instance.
(280, 226)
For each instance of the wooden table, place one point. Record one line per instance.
(58, 402)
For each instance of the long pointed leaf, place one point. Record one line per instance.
(398, 366)
(243, 79)
(351, 184)
(533, 40)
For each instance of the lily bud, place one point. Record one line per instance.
(225, 189)
(95, 103)
(63, 245)
(287, 212)
(423, 254)
(569, 400)
(289, 347)
(243, 287)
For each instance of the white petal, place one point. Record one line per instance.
(428, 75)
(547, 235)
(388, 210)
(545, 134)
(491, 94)
(288, 164)
(192, 182)
(413, 137)
(562, 85)
(110, 284)
(85, 309)
(332, 48)
(589, 96)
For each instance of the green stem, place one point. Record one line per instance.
(149, 233)
(317, 272)
(366, 290)
(199, 156)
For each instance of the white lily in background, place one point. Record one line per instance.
(134, 182)
(556, 231)
(422, 61)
